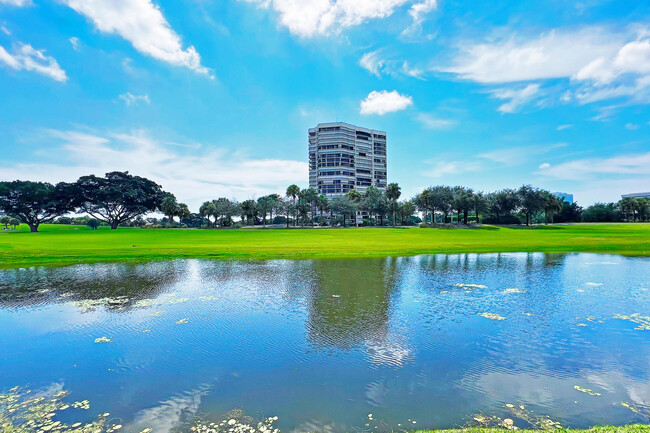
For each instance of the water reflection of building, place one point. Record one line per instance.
(350, 303)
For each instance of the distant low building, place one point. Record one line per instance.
(565, 196)
(637, 195)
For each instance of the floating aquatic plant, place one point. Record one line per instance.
(103, 340)
(22, 411)
(492, 316)
(639, 409)
(513, 290)
(542, 422)
(586, 390)
(183, 321)
(470, 286)
(236, 422)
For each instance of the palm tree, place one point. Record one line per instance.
(323, 203)
(293, 191)
(552, 206)
(310, 195)
(393, 191)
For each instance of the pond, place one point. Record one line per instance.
(337, 345)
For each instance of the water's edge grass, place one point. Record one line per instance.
(58, 245)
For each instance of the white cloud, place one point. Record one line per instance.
(373, 62)
(385, 102)
(75, 43)
(26, 57)
(631, 126)
(544, 166)
(309, 18)
(517, 98)
(5, 30)
(192, 174)
(418, 11)
(556, 54)
(142, 23)
(131, 99)
(447, 168)
(563, 127)
(601, 62)
(411, 71)
(633, 164)
(18, 3)
(519, 154)
(430, 121)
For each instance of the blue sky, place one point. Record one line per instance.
(214, 98)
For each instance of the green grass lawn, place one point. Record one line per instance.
(606, 429)
(63, 245)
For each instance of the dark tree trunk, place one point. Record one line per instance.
(465, 217)
(477, 219)
(33, 227)
(114, 225)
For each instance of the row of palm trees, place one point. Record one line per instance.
(306, 206)
(438, 204)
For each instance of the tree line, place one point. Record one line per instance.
(120, 198)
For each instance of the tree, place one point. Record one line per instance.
(6, 220)
(207, 210)
(570, 213)
(479, 205)
(602, 212)
(628, 206)
(406, 210)
(323, 204)
(531, 201)
(264, 207)
(442, 198)
(169, 206)
(310, 195)
(374, 202)
(15, 222)
(117, 198)
(344, 206)
(182, 211)
(93, 223)
(463, 201)
(293, 191)
(35, 203)
(423, 202)
(249, 210)
(552, 206)
(503, 203)
(393, 192)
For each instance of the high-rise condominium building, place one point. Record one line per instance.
(343, 157)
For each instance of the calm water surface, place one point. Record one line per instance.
(321, 344)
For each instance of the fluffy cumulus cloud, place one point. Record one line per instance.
(141, 23)
(600, 63)
(192, 173)
(309, 18)
(25, 57)
(385, 102)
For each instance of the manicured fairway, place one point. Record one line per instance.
(606, 429)
(63, 245)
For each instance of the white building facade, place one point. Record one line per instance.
(343, 157)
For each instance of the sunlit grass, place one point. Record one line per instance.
(63, 245)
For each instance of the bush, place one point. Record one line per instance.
(93, 223)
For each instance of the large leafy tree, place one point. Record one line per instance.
(531, 201)
(35, 203)
(552, 206)
(344, 206)
(264, 207)
(249, 210)
(209, 209)
(117, 198)
(310, 195)
(502, 203)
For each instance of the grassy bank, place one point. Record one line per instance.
(606, 429)
(64, 245)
